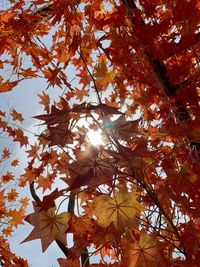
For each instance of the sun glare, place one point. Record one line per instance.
(95, 137)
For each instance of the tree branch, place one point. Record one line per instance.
(37, 200)
(84, 253)
(94, 82)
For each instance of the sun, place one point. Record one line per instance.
(95, 137)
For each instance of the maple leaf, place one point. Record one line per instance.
(56, 116)
(82, 224)
(105, 235)
(29, 175)
(33, 152)
(12, 195)
(143, 252)
(190, 239)
(24, 202)
(121, 210)
(16, 116)
(7, 177)
(28, 73)
(49, 200)
(69, 95)
(80, 94)
(17, 217)
(15, 163)
(48, 226)
(7, 86)
(104, 76)
(7, 16)
(122, 128)
(20, 137)
(7, 231)
(69, 263)
(2, 198)
(183, 180)
(3, 125)
(52, 76)
(44, 182)
(45, 101)
(60, 135)
(6, 153)
(92, 168)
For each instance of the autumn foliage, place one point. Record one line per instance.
(129, 69)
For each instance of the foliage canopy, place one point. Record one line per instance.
(129, 69)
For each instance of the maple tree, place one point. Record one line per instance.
(129, 69)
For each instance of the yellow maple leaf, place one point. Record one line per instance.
(121, 210)
(104, 76)
(48, 226)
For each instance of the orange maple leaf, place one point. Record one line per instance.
(45, 101)
(17, 217)
(6, 153)
(20, 137)
(7, 231)
(7, 177)
(45, 182)
(15, 163)
(80, 94)
(33, 152)
(16, 116)
(7, 86)
(48, 226)
(52, 76)
(12, 195)
(82, 224)
(143, 252)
